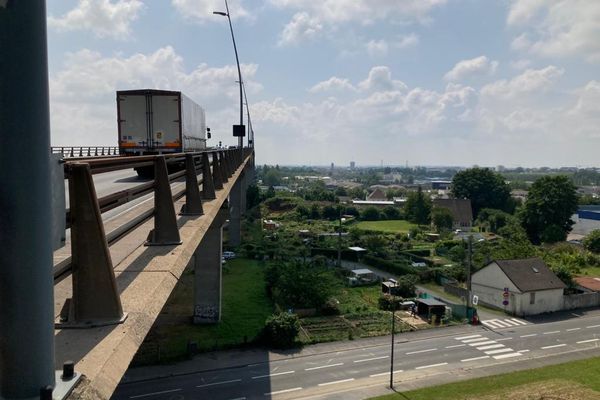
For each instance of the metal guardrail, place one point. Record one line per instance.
(95, 299)
(85, 151)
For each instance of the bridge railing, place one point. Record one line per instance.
(95, 300)
(85, 151)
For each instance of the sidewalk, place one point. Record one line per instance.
(243, 357)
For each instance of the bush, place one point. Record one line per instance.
(370, 214)
(331, 307)
(281, 330)
(398, 268)
(388, 303)
(592, 241)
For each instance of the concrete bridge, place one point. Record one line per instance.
(99, 298)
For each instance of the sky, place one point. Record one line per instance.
(393, 82)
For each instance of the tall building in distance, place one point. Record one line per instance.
(352, 165)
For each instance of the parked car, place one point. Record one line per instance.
(228, 255)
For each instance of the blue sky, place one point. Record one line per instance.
(428, 82)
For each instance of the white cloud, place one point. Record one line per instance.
(202, 10)
(557, 28)
(380, 79)
(407, 41)
(475, 66)
(520, 64)
(381, 47)
(532, 80)
(377, 48)
(103, 17)
(332, 84)
(301, 27)
(83, 93)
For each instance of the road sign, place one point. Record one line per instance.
(505, 295)
(505, 302)
(475, 299)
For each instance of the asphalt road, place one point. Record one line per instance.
(349, 372)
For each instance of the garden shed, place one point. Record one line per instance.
(431, 307)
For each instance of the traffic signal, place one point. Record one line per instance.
(208, 132)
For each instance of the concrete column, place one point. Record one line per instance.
(244, 179)
(235, 213)
(26, 281)
(207, 270)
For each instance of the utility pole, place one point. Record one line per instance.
(469, 265)
(392, 352)
(339, 259)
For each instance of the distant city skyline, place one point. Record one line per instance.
(453, 82)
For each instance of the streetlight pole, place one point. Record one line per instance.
(392, 353)
(250, 130)
(237, 60)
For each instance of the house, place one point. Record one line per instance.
(462, 214)
(520, 287)
(377, 195)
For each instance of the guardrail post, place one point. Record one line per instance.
(216, 172)
(208, 186)
(223, 168)
(207, 273)
(165, 230)
(95, 300)
(228, 163)
(193, 202)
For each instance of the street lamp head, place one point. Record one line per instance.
(220, 13)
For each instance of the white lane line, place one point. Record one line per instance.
(530, 335)
(385, 373)
(551, 332)
(455, 346)
(523, 351)
(553, 346)
(503, 339)
(323, 366)
(420, 351)
(474, 358)
(518, 321)
(431, 366)
(139, 396)
(239, 398)
(511, 322)
(219, 383)
(593, 326)
(283, 391)
(506, 350)
(588, 341)
(270, 375)
(493, 346)
(371, 359)
(573, 329)
(475, 340)
(482, 343)
(509, 355)
(467, 337)
(334, 382)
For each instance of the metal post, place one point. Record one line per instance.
(392, 355)
(469, 263)
(26, 281)
(237, 60)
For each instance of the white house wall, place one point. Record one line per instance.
(489, 283)
(545, 301)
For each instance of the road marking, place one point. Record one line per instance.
(474, 358)
(432, 365)
(518, 321)
(475, 340)
(334, 382)
(573, 329)
(371, 359)
(420, 351)
(482, 343)
(283, 391)
(530, 335)
(509, 355)
(384, 373)
(506, 350)
(588, 341)
(219, 383)
(503, 339)
(239, 398)
(154, 393)
(323, 366)
(493, 346)
(551, 332)
(270, 375)
(553, 346)
(523, 351)
(593, 326)
(454, 346)
(467, 337)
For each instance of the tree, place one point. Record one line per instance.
(331, 213)
(391, 212)
(272, 177)
(485, 189)
(252, 196)
(357, 193)
(551, 202)
(282, 329)
(493, 220)
(303, 212)
(315, 213)
(441, 218)
(370, 214)
(592, 241)
(417, 208)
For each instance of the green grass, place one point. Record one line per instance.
(584, 373)
(392, 226)
(590, 271)
(245, 308)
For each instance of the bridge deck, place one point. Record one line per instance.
(145, 279)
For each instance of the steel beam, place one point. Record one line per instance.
(26, 285)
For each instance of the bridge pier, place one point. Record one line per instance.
(207, 273)
(235, 212)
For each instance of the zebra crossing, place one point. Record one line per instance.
(491, 348)
(503, 323)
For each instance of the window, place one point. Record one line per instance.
(532, 298)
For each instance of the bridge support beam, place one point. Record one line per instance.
(26, 284)
(235, 212)
(207, 273)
